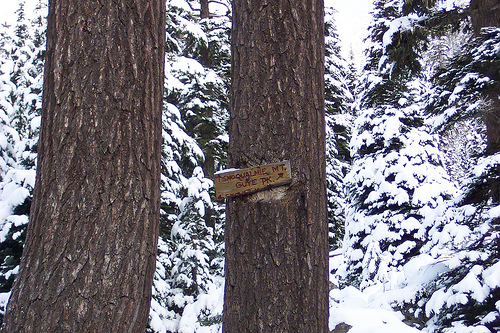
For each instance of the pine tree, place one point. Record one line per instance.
(189, 274)
(21, 71)
(397, 186)
(339, 118)
(470, 289)
(462, 134)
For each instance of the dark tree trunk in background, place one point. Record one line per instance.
(91, 242)
(277, 240)
(486, 13)
(204, 9)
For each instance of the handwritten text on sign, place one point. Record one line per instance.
(231, 183)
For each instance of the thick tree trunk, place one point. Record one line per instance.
(277, 240)
(90, 250)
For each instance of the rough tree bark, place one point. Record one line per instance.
(90, 250)
(276, 240)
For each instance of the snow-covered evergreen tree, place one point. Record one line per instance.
(465, 295)
(188, 283)
(447, 280)
(21, 72)
(198, 60)
(339, 102)
(188, 262)
(398, 188)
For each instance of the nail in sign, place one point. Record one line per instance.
(235, 182)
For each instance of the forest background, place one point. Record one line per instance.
(413, 224)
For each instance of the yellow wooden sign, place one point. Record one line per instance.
(235, 182)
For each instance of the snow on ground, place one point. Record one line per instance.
(358, 309)
(365, 311)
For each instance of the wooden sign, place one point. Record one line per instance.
(235, 182)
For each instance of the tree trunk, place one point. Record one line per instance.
(204, 9)
(277, 240)
(486, 13)
(90, 251)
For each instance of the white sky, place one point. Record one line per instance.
(352, 20)
(7, 13)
